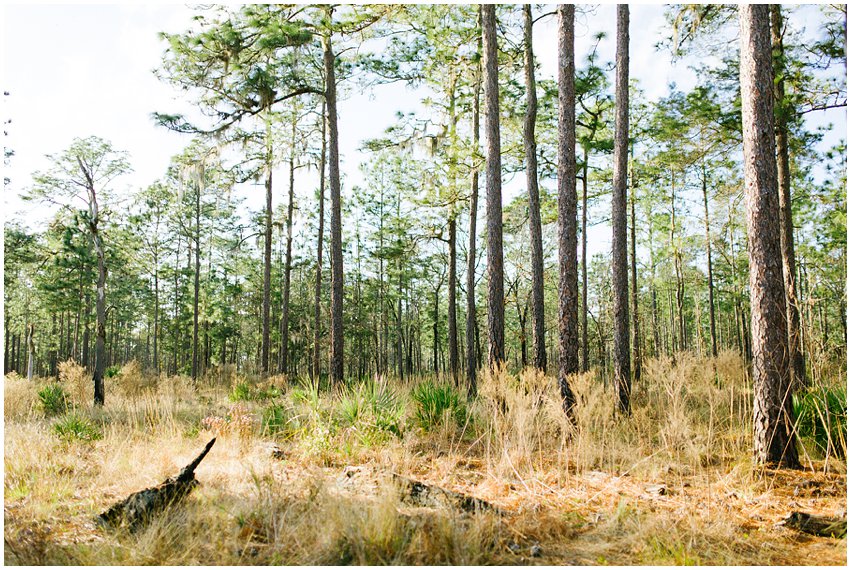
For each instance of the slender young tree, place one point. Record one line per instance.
(474, 210)
(620, 268)
(496, 285)
(782, 112)
(568, 338)
(539, 360)
(774, 437)
(283, 365)
(636, 333)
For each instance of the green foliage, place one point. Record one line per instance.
(371, 407)
(113, 371)
(280, 420)
(245, 392)
(75, 428)
(54, 400)
(437, 404)
(821, 416)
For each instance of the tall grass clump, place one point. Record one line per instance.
(78, 383)
(821, 418)
(523, 416)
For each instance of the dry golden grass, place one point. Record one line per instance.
(570, 494)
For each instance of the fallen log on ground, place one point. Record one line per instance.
(141, 506)
(819, 526)
(425, 495)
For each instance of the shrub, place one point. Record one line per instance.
(54, 400)
(112, 371)
(821, 416)
(241, 392)
(245, 392)
(73, 427)
(438, 404)
(279, 420)
(372, 407)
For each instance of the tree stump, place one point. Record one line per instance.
(142, 506)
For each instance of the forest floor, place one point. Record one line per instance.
(304, 476)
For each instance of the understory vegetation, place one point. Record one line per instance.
(303, 473)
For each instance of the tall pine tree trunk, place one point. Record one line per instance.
(288, 262)
(620, 285)
(496, 286)
(636, 331)
(317, 297)
(539, 342)
(472, 333)
(336, 360)
(100, 324)
(568, 345)
(452, 316)
(267, 252)
(774, 438)
(197, 288)
(782, 113)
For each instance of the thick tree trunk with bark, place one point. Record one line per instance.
(336, 360)
(539, 342)
(620, 283)
(472, 334)
(317, 297)
(774, 438)
(496, 286)
(568, 338)
(782, 113)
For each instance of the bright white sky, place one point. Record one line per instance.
(80, 70)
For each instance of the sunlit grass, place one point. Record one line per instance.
(583, 493)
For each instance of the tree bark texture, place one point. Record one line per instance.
(620, 283)
(336, 360)
(539, 345)
(774, 438)
(317, 304)
(496, 286)
(568, 338)
(472, 334)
